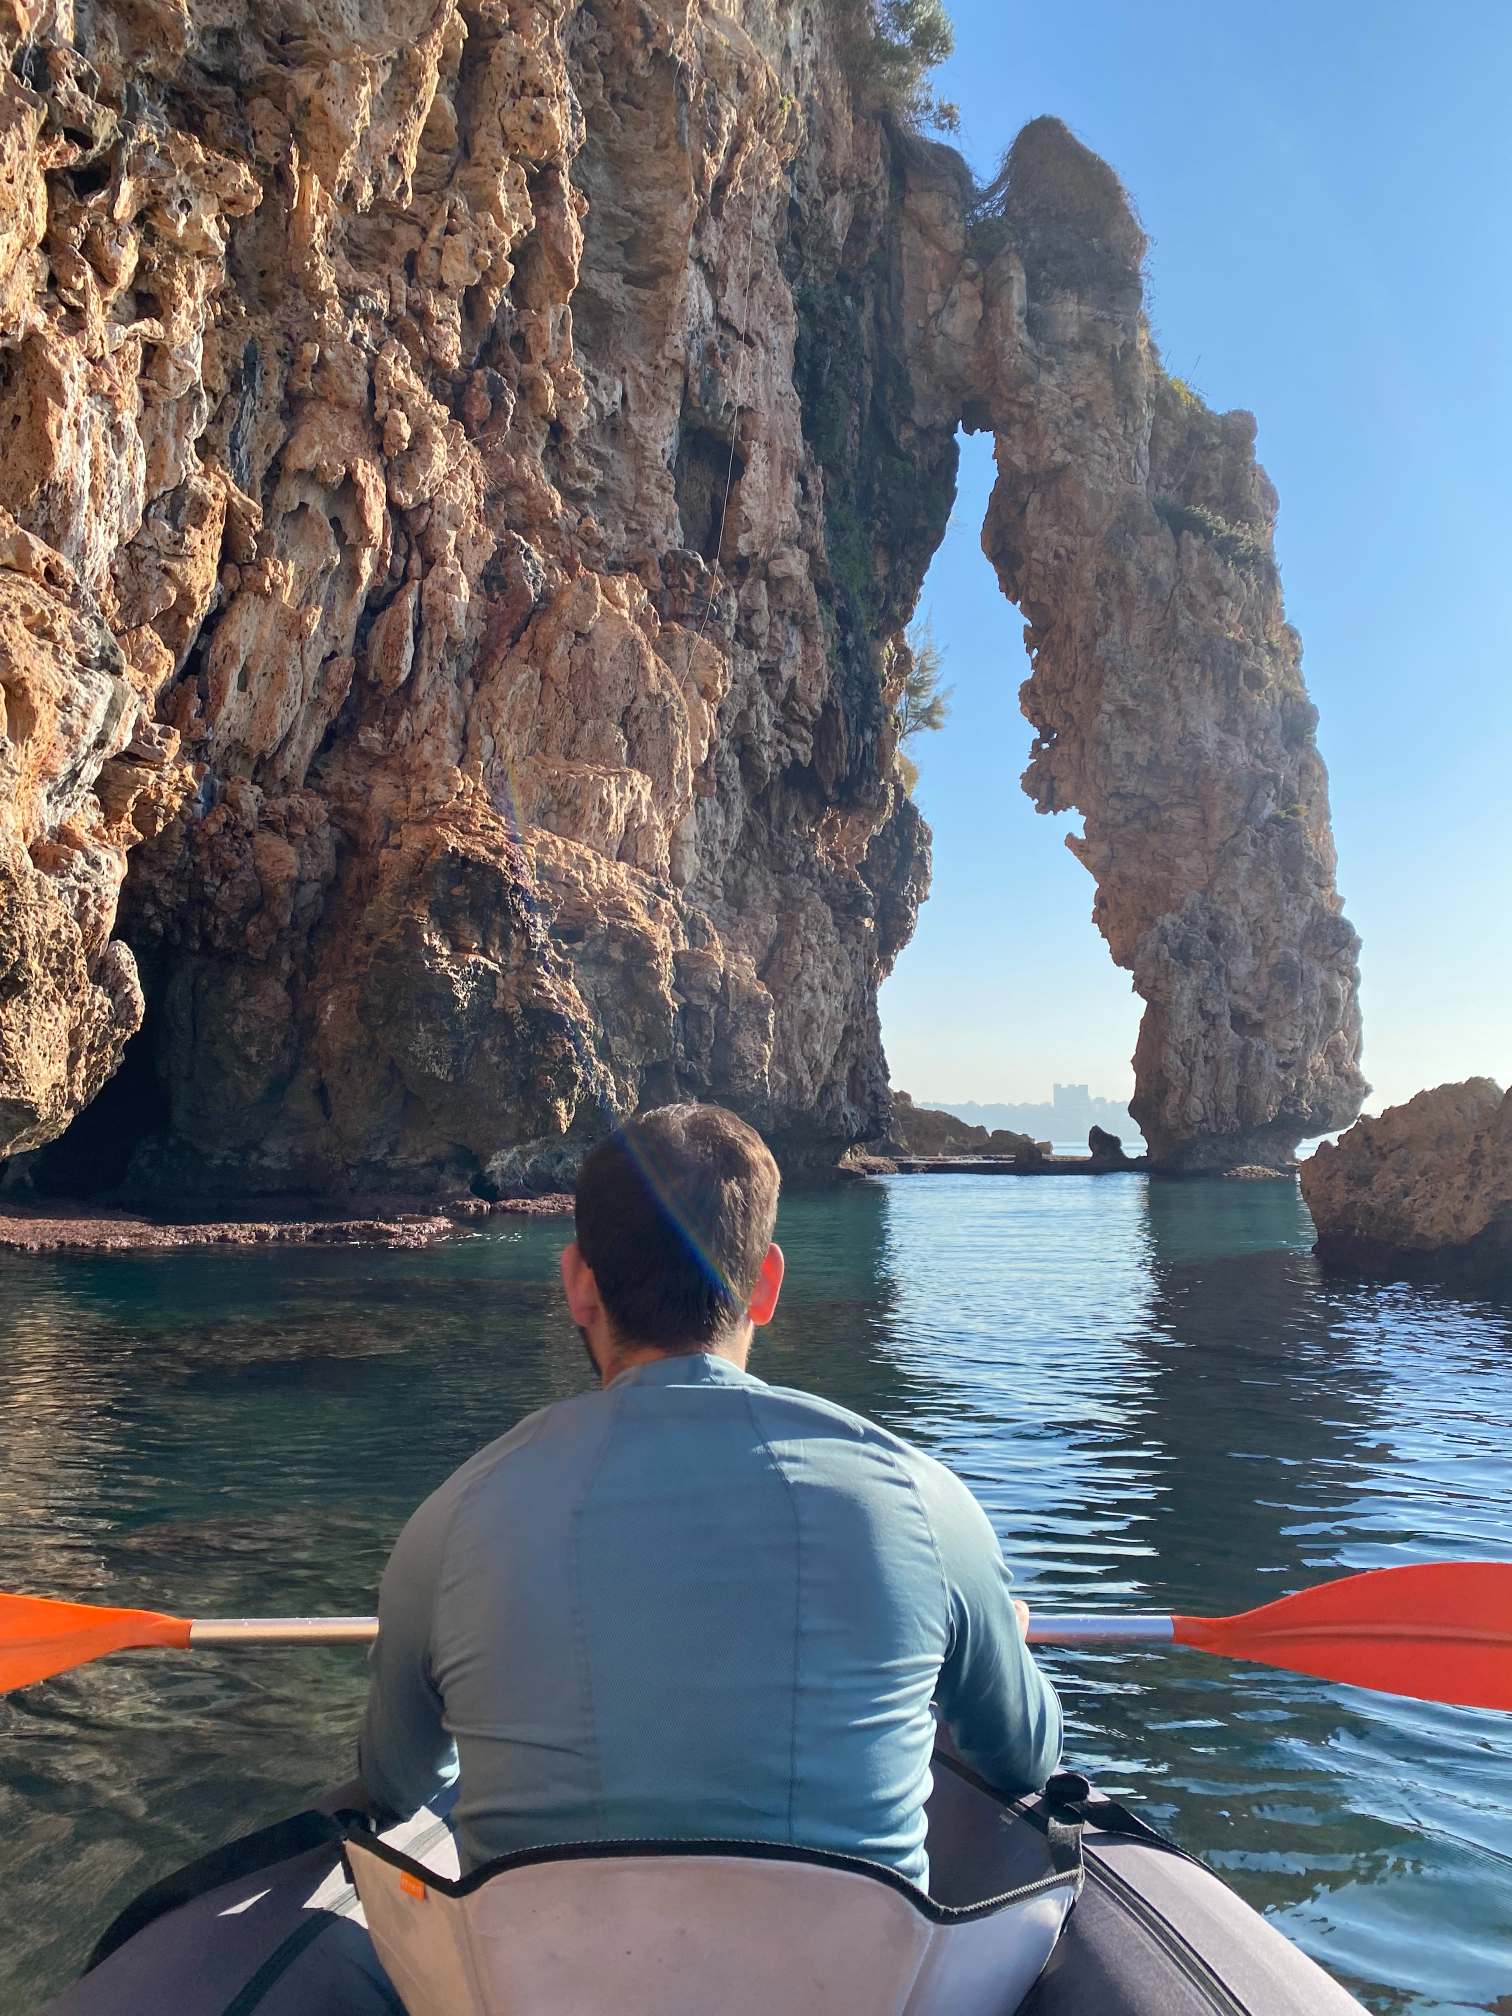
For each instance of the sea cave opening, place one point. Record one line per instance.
(92, 1157)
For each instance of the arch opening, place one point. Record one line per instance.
(1006, 990)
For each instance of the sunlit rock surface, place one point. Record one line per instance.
(1428, 1181)
(416, 459)
(465, 472)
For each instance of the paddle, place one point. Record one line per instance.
(1435, 1630)
(1438, 1631)
(40, 1637)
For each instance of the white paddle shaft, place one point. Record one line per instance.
(283, 1630)
(1106, 1629)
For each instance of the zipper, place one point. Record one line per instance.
(1171, 1942)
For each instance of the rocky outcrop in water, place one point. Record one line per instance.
(1106, 1148)
(926, 1130)
(467, 467)
(1425, 1183)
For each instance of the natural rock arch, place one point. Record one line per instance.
(469, 783)
(1134, 529)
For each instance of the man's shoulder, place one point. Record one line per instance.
(532, 1431)
(943, 1497)
(793, 1405)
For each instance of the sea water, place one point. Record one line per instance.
(1157, 1395)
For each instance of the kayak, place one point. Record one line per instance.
(273, 1924)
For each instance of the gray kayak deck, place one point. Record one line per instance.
(1154, 1933)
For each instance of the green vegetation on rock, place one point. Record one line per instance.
(923, 704)
(892, 46)
(1188, 396)
(1240, 545)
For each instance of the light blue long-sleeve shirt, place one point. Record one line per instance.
(692, 1605)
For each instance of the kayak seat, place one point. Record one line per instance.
(677, 1928)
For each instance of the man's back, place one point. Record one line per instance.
(693, 1605)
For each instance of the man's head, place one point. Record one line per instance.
(674, 1253)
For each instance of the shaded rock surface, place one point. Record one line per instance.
(1428, 1181)
(468, 464)
(387, 1223)
(1105, 1147)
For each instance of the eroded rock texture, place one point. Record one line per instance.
(1428, 1182)
(1134, 529)
(465, 466)
(473, 582)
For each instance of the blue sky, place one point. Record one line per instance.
(1328, 188)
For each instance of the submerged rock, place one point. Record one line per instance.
(1426, 1182)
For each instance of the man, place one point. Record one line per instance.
(689, 1604)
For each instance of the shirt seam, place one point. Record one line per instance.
(792, 1495)
(463, 1497)
(579, 1629)
(934, 1547)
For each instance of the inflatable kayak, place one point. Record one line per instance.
(276, 1925)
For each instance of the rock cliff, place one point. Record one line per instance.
(1426, 1183)
(1133, 528)
(467, 466)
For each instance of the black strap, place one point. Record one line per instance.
(1068, 1792)
(222, 1865)
(1063, 1824)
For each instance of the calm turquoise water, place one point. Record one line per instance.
(1152, 1389)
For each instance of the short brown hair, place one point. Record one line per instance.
(675, 1212)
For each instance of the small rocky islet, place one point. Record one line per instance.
(1425, 1186)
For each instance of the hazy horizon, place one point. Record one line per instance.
(1330, 264)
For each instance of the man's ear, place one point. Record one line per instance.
(763, 1303)
(579, 1286)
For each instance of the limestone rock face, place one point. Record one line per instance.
(83, 773)
(415, 455)
(1430, 1180)
(467, 468)
(924, 1130)
(1133, 528)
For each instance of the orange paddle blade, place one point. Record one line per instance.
(1436, 1630)
(39, 1637)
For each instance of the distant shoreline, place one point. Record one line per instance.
(1066, 1123)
